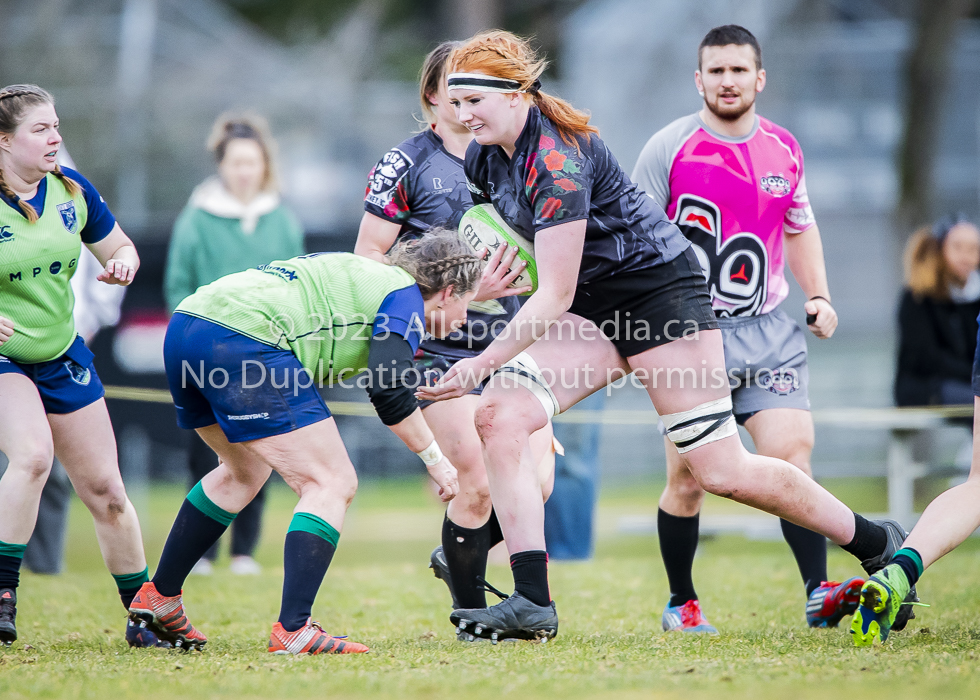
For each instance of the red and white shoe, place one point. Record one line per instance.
(832, 601)
(310, 639)
(165, 617)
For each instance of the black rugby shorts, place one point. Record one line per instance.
(648, 308)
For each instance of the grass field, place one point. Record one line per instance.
(381, 593)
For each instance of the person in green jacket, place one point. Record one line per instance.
(234, 221)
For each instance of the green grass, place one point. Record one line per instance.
(380, 592)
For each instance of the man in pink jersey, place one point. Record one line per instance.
(733, 183)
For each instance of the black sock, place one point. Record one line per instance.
(466, 554)
(678, 545)
(531, 575)
(870, 539)
(199, 524)
(496, 534)
(129, 585)
(10, 571)
(810, 550)
(307, 557)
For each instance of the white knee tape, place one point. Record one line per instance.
(523, 370)
(702, 424)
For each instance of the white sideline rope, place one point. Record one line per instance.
(894, 418)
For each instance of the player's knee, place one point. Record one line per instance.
(106, 498)
(714, 477)
(489, 418)
(685, 489)
(342, 481)
(33, 459)
(496, 417)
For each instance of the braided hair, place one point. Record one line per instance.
(15, 100)
(437, 260)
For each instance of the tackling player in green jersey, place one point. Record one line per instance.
(243, 355)
(51, 398)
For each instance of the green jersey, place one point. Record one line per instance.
(37, 262)
(324, 307)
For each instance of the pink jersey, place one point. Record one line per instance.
(734, 199)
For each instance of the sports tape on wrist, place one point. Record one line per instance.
(431, 455)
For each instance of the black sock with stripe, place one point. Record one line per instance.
(11, 558)
(310, 544)
(199, 524)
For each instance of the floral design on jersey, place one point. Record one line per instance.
(550, 185)
(547, 182)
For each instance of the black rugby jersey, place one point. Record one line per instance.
(548, 182)
(419, 184)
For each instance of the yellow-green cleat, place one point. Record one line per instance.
(881, 598)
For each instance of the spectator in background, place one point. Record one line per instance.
(234, 221)
(937, 317)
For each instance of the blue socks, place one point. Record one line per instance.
(199, 524)
(310, 544)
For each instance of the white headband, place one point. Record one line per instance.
(482, 83)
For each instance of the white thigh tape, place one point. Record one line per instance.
(702, 424)
(523, 370)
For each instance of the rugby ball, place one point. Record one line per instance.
(482, 227)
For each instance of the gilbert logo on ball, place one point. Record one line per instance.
(482, 227)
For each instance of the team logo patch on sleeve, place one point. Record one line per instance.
(386, 176)
(69, 217)
(776, 185)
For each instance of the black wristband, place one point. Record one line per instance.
(820, 297)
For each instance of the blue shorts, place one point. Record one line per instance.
(250, 389)
(66, 383)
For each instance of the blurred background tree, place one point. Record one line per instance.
(409, 29)
(928, 74)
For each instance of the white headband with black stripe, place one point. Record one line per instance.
(482, 83)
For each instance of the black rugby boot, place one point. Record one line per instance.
(514, 618)
(8, 616)
(440, 569)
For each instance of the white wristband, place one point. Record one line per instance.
(431, 455)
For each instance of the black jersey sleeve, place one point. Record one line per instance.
(389, 185)
(558, 182)
(393, 378)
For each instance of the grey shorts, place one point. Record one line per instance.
(765, 358)
(766, 363)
